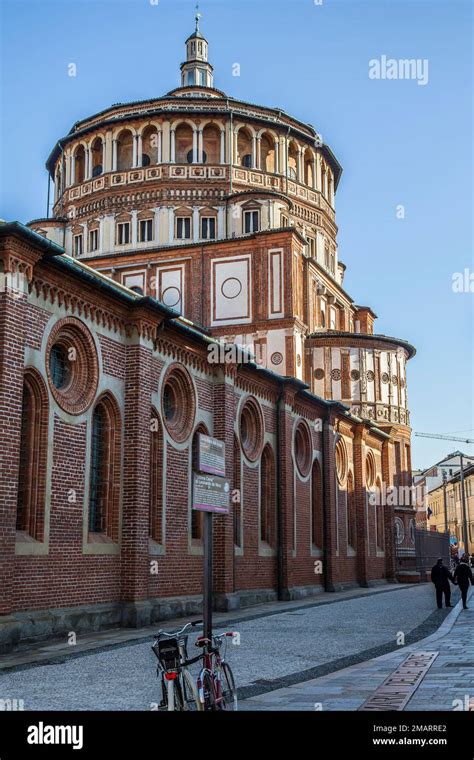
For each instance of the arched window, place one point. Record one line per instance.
(211, 136)
(184, 144)
(33, 452)
(104, 485)
(245, 148)
(379, 518)
(292, 161)
(149, 146)
(351, 513)
(197, 517)
(124, 150)
(267, 153)
(156, 479)
(79, 164)
(317, 506)
(97, 151)
(237, 495)
(308, 168)
(267, 497)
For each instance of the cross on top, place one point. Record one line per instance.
(198, 16)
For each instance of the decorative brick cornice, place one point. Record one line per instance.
(77, 305)
(18, 256)
(255, 387)
(182, 354)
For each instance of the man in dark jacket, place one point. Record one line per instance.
(441, 576)
(463, 576)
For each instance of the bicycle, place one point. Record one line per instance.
(178, 688)
(216, 684)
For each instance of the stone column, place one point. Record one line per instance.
(156, 224)
(159, 152)
(73, 170)
(172, 146)
(222, 152)
(200, 146)
(170, 224)
(108, 152)
(277, 157)
(195, 146)
(318, 174)
(114, 154)
(254, 152)
(134, 152)
(196, 230)
(220, 222)
(134, 228)
(300, 164)
(139, 150)
(258, 156)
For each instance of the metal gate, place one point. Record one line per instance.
(418, 549)
(430, 545)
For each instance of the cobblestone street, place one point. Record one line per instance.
(277, 649)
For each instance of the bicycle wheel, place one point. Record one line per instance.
(175, 698)
(208, 700)
(191, 699)
(229, 692)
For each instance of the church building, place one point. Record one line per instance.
(188, 281)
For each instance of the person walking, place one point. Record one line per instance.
(441, 576)
(463, 576)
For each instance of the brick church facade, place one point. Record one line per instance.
(189, 282)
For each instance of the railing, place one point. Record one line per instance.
(254, 178)
(418, 549)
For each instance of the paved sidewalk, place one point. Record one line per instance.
(447, 685)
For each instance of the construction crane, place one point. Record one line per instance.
(445, 437)
(463, 492)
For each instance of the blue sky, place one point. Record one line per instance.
(398, 142)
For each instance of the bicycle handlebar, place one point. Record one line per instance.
(182, 630)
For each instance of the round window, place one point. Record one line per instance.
(370, 470)
(303, 448)
(251, 429)
(178, 402)
(341, 461)
(59, 366)
(71, 365)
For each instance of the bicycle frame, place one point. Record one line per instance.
(212, 666)
(175, 678)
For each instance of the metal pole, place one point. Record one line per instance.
(464, 510)
(207, 596)
(445, 500)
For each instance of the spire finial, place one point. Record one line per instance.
(198, 16)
